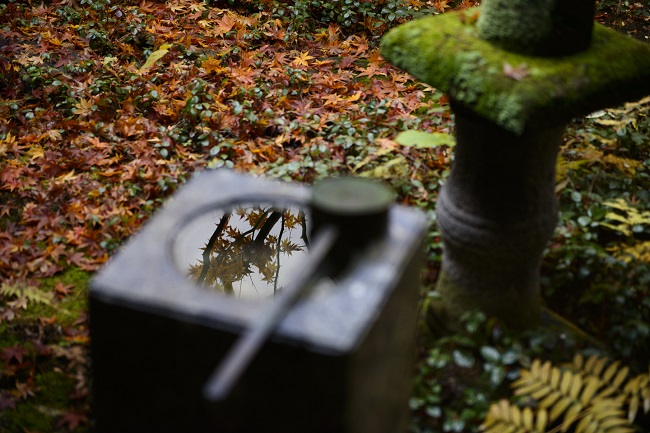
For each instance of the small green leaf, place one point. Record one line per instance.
(576, 196)
(490, 354)
(425, 140)
(463, 359)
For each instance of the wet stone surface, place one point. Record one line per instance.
(247, 251)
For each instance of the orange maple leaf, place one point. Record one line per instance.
(371, 71)
(212, 65)
(441, 5)
(302, 59)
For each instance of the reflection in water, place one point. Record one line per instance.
(247, 251)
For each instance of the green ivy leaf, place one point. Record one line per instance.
(425, 140)
(490, 354)
(463, 359)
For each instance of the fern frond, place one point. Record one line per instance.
(585, 397)
(591, 386)
(637, 395)
(504, 417)
(30, 293)
(397, 166)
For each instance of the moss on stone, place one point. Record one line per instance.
(538, 27)
(501, 21)
(520, 310)
(512, 89)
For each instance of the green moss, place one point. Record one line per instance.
(501, 20)
(38, 414)
(443, 315)
(69, 308)
(446, 52)
(8, 338)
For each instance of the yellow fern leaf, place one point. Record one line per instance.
(530, 388)
(527, 418)
(620, 377)
(542, 420)
(599, 365)
(567, 377)
(576, 386)
(550, 399)
(639, 251)
(515, 414)
(625, 165)
(589, 366)
(30, 293)
(555, 377)
(591, 386)
(545, 371)
(571, 416)
(613, 423)
(610, 371)
(585, 425)
(633, 408)
(578, 361)
(543, 392)
(591, 396)
(605, 408)
(503, 417)
(558, 408)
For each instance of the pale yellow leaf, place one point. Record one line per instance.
(576, 386)
(621, 376)
(559, 408)
(153, 58)
(527, 418)
(542, 420)
(592, 384)
(565, 385)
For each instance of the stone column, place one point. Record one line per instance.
(496, 212)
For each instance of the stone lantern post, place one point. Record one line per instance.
(516, 72)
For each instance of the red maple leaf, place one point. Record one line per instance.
(13, 353)
(71, 420)
(7, 401)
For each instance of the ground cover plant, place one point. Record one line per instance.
(106, 107)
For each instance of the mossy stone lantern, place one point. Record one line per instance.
(516, 72)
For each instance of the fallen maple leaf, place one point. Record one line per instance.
(302, 59)
(7, 401)
(213, 65)
(516, 73)
(71, 420)
(83, 108)
(24, 390)
(15, 353)
(371, 71)
(7, 314)
(441, 5)
(63, 290)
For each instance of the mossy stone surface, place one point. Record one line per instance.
(512, 89)
(503, 20)
(538, 27)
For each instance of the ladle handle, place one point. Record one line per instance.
(226, 375)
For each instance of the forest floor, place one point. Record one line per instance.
(107, 107)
